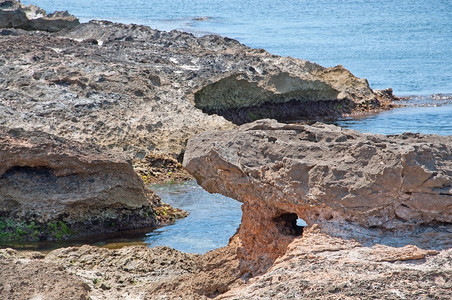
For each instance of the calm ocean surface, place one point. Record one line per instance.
(212, 221)
(405, 44)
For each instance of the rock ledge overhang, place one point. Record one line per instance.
(143, 90)
(323, 174)
(47, 179)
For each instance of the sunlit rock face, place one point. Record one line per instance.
(322, 174)
(79, 188)
(145, 91)
(14, 14)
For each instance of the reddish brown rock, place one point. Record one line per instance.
(51, 187)
(319, 266)
(322, 174)
(315, 266)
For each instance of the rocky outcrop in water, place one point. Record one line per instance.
(146, 91)
(325, 175)
(52, 188)
(14, 14)
(131, 88)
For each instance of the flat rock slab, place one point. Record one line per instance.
(318, 266)
(51, 187)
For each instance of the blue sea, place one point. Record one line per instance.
(405, 45)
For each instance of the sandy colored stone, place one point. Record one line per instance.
(132, 272)
(46, 179)
(147, 91)
(24, 277)
(322, 174)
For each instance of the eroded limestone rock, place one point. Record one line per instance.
(315, 266)
(133, 272)
(322, 174)
(52, 188)
(142, 90)
(14, 14)
(319, 266)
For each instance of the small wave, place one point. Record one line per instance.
(434, 100)
(205, 18)
(441, 96)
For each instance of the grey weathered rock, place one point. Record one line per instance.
(14, 14)
(323, 174)
(144, 90)
(78, 188)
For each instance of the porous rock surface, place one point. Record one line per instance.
(45, 179)
(325, 175)
(14, 14)
(132, 272)
(142, 90)
(320, 266)
(315, 266)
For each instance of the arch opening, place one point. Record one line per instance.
(289, 224)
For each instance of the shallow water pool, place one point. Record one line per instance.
(212, 221)
(422, 115)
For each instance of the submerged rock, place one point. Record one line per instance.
(323, 174)
(147, 91)
(52, 188)
(14, 14)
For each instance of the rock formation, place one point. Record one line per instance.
(147, 91)
(319, 266)
(378, 208)
(134, 272)
(14, 14)
(325, 175)
(315, 266)
(51, 188)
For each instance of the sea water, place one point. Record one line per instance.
(405, 45)
(420, 114)
(212, 218)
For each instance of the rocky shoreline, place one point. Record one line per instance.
(92, 113)
(365, 187)
(143, 93)
(139, 90)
